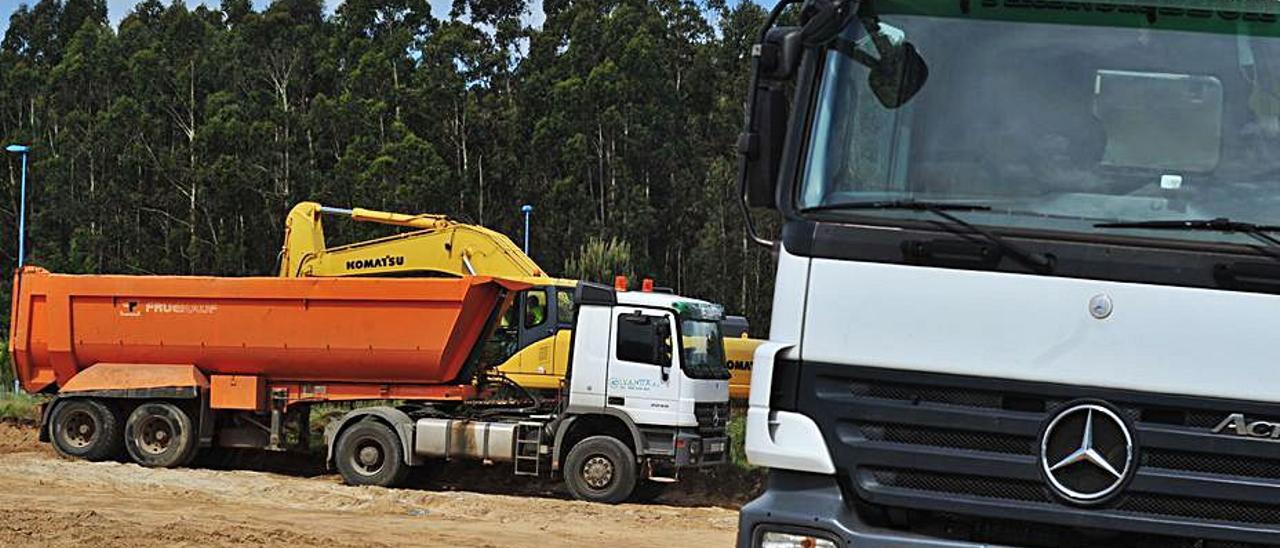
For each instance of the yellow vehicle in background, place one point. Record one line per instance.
(532, 346)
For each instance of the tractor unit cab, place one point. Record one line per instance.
(1027, 274)
(663, 363)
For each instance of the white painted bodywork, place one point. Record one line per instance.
(647, 397)
(781, 439)
(591, 348)
(1157, 339)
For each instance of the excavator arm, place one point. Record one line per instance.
(440, 246)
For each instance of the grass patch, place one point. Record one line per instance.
(738, 441)
(20, 406)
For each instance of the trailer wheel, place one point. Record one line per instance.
(160, 435)
(369, 453)
(85, 428)
(600, 469)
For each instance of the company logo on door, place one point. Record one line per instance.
(635, 385)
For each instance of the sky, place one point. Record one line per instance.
(117, 9)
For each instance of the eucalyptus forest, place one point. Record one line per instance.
(176, 141)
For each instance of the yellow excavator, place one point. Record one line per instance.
(534, 349)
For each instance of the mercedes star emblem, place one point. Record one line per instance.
(1100, 306)
(1086, 453)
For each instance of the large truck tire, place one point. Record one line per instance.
(160, 435)
(86, 429)
(600, 469)
(369, 453)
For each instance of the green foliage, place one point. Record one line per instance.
(19, 406)
(738, 441)
(177, 143)
(6, 369)
(600, 261)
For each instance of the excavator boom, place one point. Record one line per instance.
(441, 246)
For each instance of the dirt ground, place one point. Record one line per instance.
(49, 501)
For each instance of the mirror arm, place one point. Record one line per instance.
(748, 142)
(849, 49)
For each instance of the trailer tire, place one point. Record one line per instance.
(160, 435)
(600, 469)
(86, 429)
(369, 453)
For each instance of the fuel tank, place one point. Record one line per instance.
(357, 330)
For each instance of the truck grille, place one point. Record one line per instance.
(969, 446)
(712, 418)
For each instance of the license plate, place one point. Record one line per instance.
(715, 447)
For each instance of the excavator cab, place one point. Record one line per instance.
(531, 343)
(541, 337)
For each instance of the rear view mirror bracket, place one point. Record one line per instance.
(775, 58)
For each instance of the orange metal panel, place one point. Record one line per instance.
(126, 376)
(243, 392)
(312, 393)
(362, 331)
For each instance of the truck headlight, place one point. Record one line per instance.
(779, 539)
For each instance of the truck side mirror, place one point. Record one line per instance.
(760, 145)
(662, 348)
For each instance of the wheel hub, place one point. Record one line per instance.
(368, 458)
(597, 472)
(154, 435)
(80, 429)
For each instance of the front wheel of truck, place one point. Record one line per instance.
(160, 434)
(86, 429)
(600, 469)
(369, 453)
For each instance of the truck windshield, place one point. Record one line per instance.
(702, 349)
(1057, 119)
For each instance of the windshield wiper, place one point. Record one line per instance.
(1262, 233)
(1037, 262)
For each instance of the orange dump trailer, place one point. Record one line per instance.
(381, 331)
(252, 345)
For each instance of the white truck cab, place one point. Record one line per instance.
(1027, 277)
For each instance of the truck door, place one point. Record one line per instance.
(644, 368)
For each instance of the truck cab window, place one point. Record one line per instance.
(644, 339)
(702, 347)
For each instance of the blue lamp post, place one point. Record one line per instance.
(22, 203)
(528, 210)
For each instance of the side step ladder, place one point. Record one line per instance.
(528, 459)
